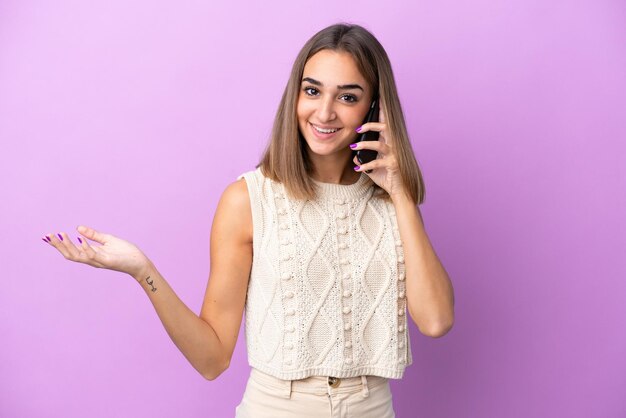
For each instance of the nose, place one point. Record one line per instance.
(326, 110)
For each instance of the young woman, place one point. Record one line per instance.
(325, 254)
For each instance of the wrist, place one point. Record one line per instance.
(145, 271)
(401, 198)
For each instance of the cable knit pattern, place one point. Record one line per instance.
(326, 295)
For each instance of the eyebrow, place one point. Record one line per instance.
(341, 87)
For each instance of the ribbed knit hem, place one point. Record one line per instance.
(328, 371)
(344, 191)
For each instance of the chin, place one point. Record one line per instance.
(324, 149)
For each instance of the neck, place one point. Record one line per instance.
(335, 169)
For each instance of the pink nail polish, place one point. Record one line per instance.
(357, 167)
(359, 128)
(353, 146)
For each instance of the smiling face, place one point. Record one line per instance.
(333, 101)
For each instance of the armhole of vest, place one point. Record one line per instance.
(255, 205)
(409, 353)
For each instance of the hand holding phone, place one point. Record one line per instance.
(366, 155)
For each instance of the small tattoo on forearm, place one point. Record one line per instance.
(150, 281)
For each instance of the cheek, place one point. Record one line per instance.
(300, 109)
(355, 118)
(302, 118)
(303, 109)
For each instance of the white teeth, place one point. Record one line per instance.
(325, 131)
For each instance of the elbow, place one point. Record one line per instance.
(434, 329)
(211, 375)
(214, 372)
(436, 326)
(438, 330)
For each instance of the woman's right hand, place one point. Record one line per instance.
(114, 253)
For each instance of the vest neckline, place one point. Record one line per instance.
(344, 191)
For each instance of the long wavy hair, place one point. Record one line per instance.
(285, 159)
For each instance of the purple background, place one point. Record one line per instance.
(132, 118)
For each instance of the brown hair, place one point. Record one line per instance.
(285, 160)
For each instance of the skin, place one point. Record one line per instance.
(208, 340)
(331, 107)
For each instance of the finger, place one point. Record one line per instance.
(377, 163)
(372, 126)
(68, 245)
(92, 234)
(356, 164)
(89, 254)
(57, 242)
(372, 165)
(379, 146)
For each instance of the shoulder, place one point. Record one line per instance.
(234, 208)
(236, 194)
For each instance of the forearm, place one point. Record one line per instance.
(193, 336)
(429, 292)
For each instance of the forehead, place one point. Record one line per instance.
(333, 68)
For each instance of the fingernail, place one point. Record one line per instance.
(359, 128)
(353, 146)
(44, 240)
(60, 237)
(48, 238)
(357, 167)
(80, 240)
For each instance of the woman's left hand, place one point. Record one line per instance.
(385, 172)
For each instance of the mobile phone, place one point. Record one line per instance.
(366, 155)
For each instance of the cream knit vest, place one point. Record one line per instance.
(326, 295)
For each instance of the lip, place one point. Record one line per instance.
(321, 135)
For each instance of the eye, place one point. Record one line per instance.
(312, 91)
(306, 91)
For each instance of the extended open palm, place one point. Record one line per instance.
(114, 253)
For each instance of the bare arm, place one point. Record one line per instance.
(207, 340)
(194, 337)
(429, 292)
